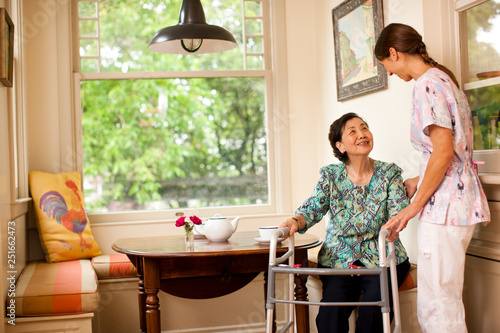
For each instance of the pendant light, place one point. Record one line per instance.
(192, 34)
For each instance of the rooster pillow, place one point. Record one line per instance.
(62, 222)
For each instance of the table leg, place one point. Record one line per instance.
(301, 311)
(142, 297)
(151, 270)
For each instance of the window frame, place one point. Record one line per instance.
(443, 16)
(275, 77)
(17, 126)
(490, 157)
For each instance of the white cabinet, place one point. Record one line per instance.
(482, 294)
(482, 276)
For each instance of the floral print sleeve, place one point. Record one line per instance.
(315, 208)
(433, 96)
(397, 199)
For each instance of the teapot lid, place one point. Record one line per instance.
(217, 217)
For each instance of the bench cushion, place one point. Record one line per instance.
(68, 287)
(410, 281)
(113, 266)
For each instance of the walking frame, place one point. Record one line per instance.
(276, 266)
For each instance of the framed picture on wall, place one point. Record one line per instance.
(356, 27)
(6, 48)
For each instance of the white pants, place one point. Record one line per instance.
(440, 277)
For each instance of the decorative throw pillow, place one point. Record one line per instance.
(63, 226)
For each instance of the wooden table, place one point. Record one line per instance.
(165, 263)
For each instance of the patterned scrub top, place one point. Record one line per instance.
(459, 199)
(356, 213)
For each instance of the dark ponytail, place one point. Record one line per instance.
(404, 38)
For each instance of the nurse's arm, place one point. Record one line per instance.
(441, 156)
(411, 186)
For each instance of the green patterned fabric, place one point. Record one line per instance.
(355, 213)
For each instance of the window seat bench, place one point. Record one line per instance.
(63, 296)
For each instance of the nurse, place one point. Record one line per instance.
(449, 196)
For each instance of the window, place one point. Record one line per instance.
(167, 133)
(479, 31)
(16, 127)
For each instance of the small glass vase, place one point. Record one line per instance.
(189, 240)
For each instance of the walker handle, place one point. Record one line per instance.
(280, 233)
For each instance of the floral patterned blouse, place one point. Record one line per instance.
(356, 213)
(459, 199)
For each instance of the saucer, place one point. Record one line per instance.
(267, 241)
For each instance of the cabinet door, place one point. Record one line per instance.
(482, 294)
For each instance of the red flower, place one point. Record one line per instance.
(180, 221)
(188, 223)
(195, 219)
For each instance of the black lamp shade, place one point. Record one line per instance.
(192, 34)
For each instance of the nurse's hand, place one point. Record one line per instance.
(411, 186)
(400, 221)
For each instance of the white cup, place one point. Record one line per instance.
(266, 233)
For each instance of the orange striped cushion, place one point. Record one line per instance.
(68, 287)
(113, 266)
(410, 281)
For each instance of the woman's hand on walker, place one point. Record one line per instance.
(292, 223)
(393, 236)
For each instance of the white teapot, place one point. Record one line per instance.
(218, 228)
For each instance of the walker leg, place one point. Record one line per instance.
(395, 297)
(386, 319)
(269, 321)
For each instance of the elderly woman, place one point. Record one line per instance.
(361, 195)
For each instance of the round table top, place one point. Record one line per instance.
(240, 243)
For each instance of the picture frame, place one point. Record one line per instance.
(356, 27)
(6, 48)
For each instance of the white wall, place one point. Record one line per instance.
(49, 104)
